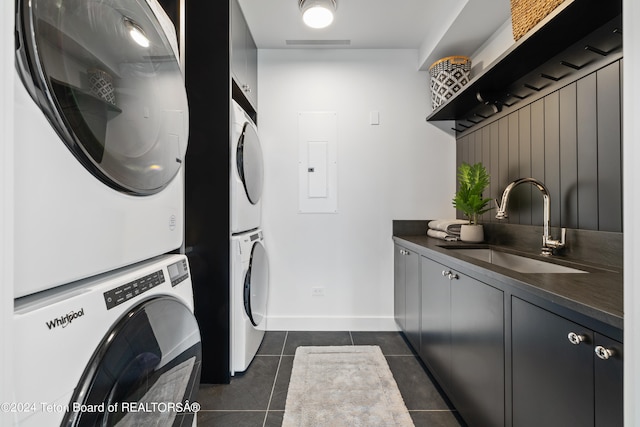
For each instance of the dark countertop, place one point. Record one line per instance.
(597, 295)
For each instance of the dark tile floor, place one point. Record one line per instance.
(257, 397)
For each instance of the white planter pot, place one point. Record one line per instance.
(472, 233)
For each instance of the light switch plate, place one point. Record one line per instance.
(374, 117)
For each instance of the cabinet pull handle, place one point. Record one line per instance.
(603, 353)
(449, 274)
(575, 339)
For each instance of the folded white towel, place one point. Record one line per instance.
(442, 235)
(451, 226)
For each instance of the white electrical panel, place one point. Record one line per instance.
(317, 162)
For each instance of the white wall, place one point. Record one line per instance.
(402, 169)
(493, 48)
(631, 110)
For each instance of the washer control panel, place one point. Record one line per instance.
(117, 296)
(178, 272)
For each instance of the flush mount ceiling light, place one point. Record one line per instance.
(317, 13)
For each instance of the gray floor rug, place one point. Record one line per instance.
(343, 386)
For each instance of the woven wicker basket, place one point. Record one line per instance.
(448, 76)
(525, 14)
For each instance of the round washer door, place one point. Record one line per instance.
(249, 163)
(107, 78)
(151, 361)
(256, 285)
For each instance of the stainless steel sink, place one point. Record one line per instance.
(513, 262)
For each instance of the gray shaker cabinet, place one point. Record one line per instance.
(570, 371)
(462, 341)
(407, 293)
(244, 55)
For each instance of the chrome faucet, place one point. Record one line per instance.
(548, 243)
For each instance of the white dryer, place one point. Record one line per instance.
(249, 293)
(101, 127)
(122, 348)
(247, 172)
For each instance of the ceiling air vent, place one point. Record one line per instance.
(318, 42)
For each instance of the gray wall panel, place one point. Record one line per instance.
(486, 161)
(496, 184)
(537, 157)
(587, 153)
(568, 158)
(609, 148)
(552, 153)
(571, 140)
(524, 160)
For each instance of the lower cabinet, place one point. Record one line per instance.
(407, 293)
(462, 341)
(563, 373)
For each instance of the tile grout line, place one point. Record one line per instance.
(273, 387)
(351, 337)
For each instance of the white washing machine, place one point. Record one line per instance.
(101, 127)
(122, 348)
(249, 293)
(247, 172)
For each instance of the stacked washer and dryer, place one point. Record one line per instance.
(249, 263)
(103, 301)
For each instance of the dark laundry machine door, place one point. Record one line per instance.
(146, 371)
(249, 165)
(106, 76)
(256, 286)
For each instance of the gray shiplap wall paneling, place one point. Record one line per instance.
(502, 168)
(568, 157)
(524, 162)
(486, 160)
(515, 202)
(552, 153)
(496, 187)
(537, 157)
(609, 149)
(571, 140)
(587, 153)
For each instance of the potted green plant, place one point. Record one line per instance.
(473, 181)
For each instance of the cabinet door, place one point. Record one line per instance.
(552, 378)
(251, 72)
(399, 289)
(477, 351)
(238, 43)
(412, 298)
(435, 345)
(608, 383)
(244, 55)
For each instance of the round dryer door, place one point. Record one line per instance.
(143, 372)
(106, 75)
(256, 285)
(250, 164)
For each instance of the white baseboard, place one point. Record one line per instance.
(331, 323)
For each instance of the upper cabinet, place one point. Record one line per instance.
(244, 56)
(568, 41)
